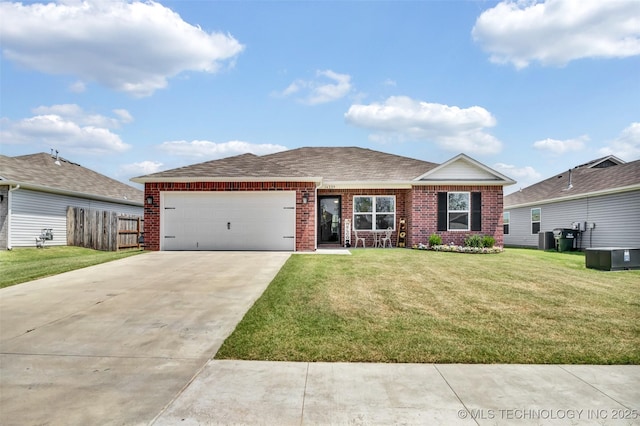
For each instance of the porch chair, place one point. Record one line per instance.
(387, 238)
(358, 239)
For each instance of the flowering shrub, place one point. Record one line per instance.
(459, 249)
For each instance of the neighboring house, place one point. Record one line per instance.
(35, 191)
(302, 199)
(600, 198)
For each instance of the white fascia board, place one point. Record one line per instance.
(366, 185)
(76, 194)
(611, 191)
(192, 179)
(462, 182)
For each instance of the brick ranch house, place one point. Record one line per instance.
(306, 198)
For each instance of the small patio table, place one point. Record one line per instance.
(377, 237)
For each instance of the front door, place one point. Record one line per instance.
(329, 219)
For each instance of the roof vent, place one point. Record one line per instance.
(57, 162)
(570, 185)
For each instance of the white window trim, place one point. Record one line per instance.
(535, 221)
(468, 211)
(373, 213)
(506, 220)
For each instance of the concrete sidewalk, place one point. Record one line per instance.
(289, 393)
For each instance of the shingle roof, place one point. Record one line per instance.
(584, 180)
(239, 166)
(41, 170)
(328, 163)
(353, 164)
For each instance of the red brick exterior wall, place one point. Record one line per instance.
(419, 206)
(402, 195)
(424, 214)
(305, 213)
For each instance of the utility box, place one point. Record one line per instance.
(546, 241)
(612, 258)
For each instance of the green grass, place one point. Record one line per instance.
(25, 264)
(520, 306)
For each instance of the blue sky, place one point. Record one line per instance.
(130, 88)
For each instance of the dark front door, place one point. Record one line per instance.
(329, 219)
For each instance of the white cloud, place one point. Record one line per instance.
(78, 87)
(67, 127)
(556, 32)
(114, 43)
(75, 113)
(327, 87)
(139, 169)
(518, 173)
(525, 176)
(213, 150)
(125, 116)
(451, 127)
(559, 147)
(626, 146)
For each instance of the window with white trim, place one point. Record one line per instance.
(374, 212)
(535, 220)
(459, 211)
(506, 217)
(458, 208)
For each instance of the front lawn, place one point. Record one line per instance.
(401, 305)
(25, 264)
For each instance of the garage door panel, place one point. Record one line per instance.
(261, 220)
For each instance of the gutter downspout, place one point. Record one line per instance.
(9, 214)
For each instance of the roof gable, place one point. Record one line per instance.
(47, 173)
(608, 161)
(464, 168)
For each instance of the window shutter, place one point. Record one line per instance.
(476, 211)
(442, 211)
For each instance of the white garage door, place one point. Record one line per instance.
(252, 220)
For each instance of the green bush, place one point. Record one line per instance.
(435, 240)
(488, 241)
(479, 241)
(473, 241)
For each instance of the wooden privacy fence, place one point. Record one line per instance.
(103, 230)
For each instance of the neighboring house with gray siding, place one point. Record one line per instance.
(601, 198)
(35, 191)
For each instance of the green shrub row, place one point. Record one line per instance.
(474, 240)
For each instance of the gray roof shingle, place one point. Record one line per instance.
(584, 180)
(239, 166)
(41, 170)
(353, 164)
(329, 163)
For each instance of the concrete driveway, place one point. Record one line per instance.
(116, 343)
